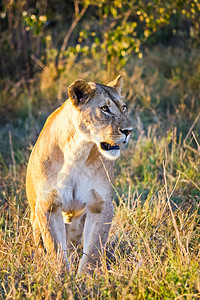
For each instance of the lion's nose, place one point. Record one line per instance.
(126, 131)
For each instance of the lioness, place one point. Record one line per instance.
(71, 168)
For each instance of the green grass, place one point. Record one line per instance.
(154, 243)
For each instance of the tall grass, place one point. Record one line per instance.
(153, 248)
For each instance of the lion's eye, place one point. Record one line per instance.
(124, 108)
(105, 108)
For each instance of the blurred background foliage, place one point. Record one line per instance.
(44, 46)
(115, 29)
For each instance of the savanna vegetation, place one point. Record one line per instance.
(154, 247)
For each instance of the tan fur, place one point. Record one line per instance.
(97, 206)
(69, 174)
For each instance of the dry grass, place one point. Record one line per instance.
(153, 249)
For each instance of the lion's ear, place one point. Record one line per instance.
(117, 83)
(79, 92)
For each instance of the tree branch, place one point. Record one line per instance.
(71, 29)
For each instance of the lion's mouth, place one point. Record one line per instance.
(107, 147)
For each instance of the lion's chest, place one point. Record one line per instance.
(75, 185)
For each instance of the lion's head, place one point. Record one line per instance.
(102, 114)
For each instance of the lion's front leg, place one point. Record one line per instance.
(52, 228)
(97, 224)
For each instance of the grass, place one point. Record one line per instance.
(153, 248)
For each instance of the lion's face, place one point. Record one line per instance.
(102, 115)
